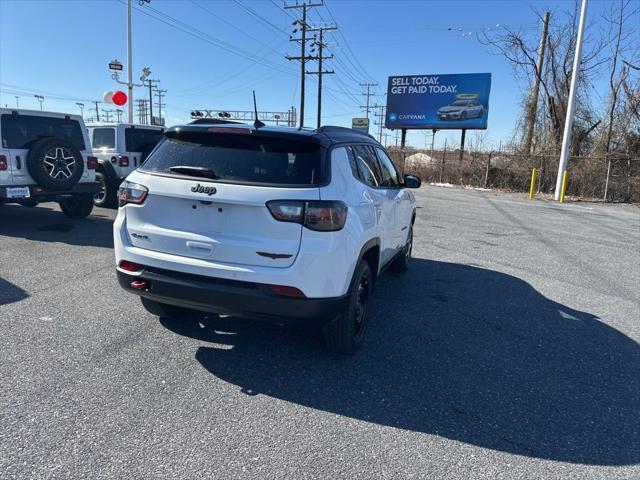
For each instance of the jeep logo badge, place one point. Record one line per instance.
(202, 189)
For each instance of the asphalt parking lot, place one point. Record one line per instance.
(510, 350)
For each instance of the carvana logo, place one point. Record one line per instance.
(393, 117)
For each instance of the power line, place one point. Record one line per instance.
(199, 34)
(258, 16)
(357, 62)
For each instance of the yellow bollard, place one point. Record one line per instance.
(533, 183)
(564, 185)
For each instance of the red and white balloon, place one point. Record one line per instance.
(118, 97)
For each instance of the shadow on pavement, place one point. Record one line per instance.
(46, 225)
(462, 352)
(10, 293)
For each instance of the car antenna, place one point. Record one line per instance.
(256, 123)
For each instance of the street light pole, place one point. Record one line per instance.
(81, 105)
(40, 98)
(571, 107)
(129, 62)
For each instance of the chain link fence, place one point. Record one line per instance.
(612, 178)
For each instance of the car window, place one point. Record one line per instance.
(138, 139)
(240, 158)
(22, 131)
(352, 162)
(104, 138)
(389, 174)
(368, 168)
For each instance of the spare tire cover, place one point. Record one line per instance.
(55, 163)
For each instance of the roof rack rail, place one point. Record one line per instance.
(335, 128)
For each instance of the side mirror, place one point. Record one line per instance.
(411, 181)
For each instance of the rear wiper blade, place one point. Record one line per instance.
(194, 171)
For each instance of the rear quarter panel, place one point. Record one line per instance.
(360, 226)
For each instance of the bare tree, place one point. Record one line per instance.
(621, 39)
(519, 48)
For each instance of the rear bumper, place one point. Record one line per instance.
(230, 297)
(41, 194)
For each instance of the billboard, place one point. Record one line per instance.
(360, 124)
(457, 101)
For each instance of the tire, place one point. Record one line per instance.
(55, 164)
(401, 263)
(107, 195)
(78, 206)
(162, 309)
(345, 333)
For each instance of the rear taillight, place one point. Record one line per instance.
(321, 215)
(130, 267)
(123, 161)
(325, 216)
(130, 192)
(287, 210)
(92, 163)
(3, 163)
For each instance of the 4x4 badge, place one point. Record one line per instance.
(202, 189)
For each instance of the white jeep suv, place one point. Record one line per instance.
(269, 223)
(46, 157)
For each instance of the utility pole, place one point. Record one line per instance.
(17, 101)
(320, 44)
(150, 83)
(142, 111)
(571, 107)
(107, 114)
(533, 101)
(368, 95)
(160, 93)
(119, 114)
(380, 117)
(303, 53)
(97, 111)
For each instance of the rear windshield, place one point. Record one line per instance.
(22, 131)
(240, 158)
(104, 138)
(141, 139)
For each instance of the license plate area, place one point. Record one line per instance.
(18, 192)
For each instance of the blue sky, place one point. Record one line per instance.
(60, 49)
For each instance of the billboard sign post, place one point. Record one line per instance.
(457, 101)
(360, 124)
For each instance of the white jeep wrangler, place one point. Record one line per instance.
(120, 149)
(46, 157)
